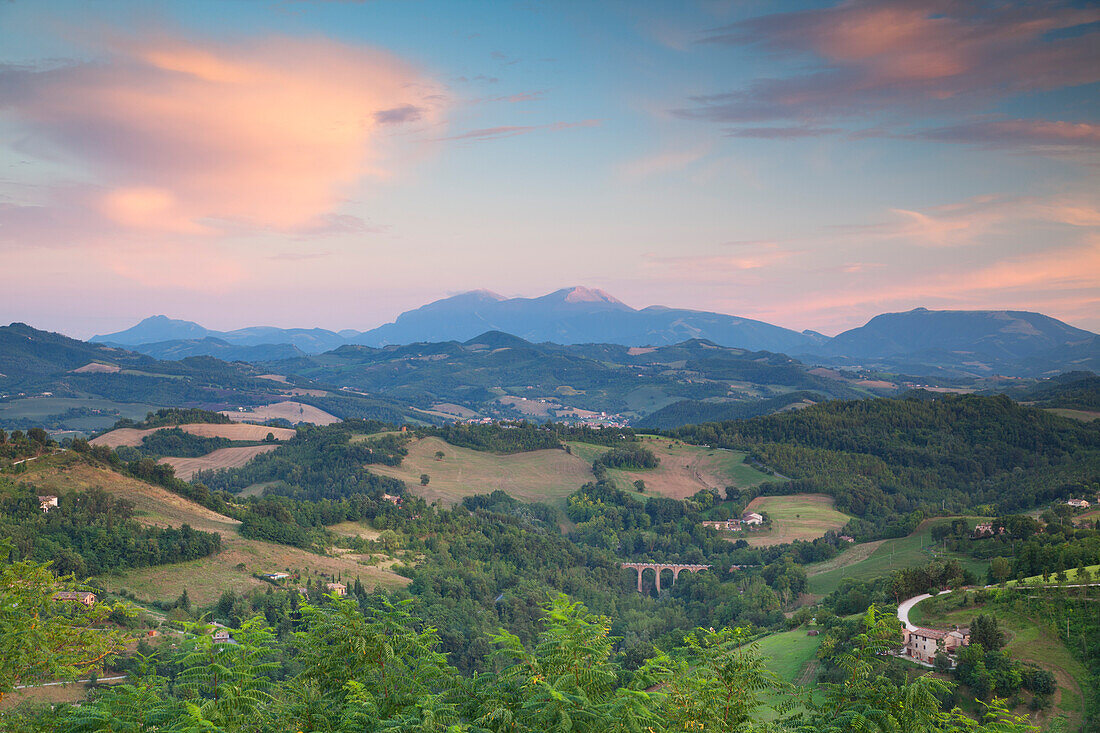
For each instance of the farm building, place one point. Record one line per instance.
(846, 538)
(276, 576)
(338, 588)
(46, 503)
(730, 525)
(221, 635)
(1078, 503)
(80, 596)
(752, 518)
(923, 644)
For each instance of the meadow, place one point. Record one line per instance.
(543, 475)
(295, 412)
(205, 580)
(793, 517)
(875, 559)
(684, 469)
(792, 656)
(234, 431)
(232, 457)
(38, 409)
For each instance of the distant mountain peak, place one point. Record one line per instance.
(581, 294)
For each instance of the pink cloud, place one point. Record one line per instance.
(269, 132)
(493, 133)
(1013, 133)
(906, 54)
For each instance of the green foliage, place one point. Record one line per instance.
(884, 459)
(43, 638)
(176, 442)
(92, 532)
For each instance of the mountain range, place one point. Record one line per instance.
(920, 341)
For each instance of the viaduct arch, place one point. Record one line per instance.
(658, 567)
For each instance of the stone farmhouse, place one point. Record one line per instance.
(922, 645)
(752, 518)
(80, 596)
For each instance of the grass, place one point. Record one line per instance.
(886, 556)
(542, 475)
(39, 408)
(794, 517)
(234, 457)
(1082, 415)
(295, 412)
(205, 579)
(1071, 576)
(1029, 640)
(233, 431)
(792, 656)
(684, 469)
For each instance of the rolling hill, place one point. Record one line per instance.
(944, 344)
(974, 342)
(490, 372)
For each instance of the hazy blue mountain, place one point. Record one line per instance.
(1007, 342)
(577, 316)
(155, 329)
(210, 346)
(944, 344)
(161, 330)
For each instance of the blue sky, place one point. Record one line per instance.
(333, 163)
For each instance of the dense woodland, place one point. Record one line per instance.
(476, 612)
(92, 532)
(886, 460)
(370, 665)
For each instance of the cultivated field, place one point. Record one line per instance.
(39, 408)
(205, 579)
(861, 562)
(234, 457)
(794, 517)
(1082, 415)
(542, 475)
(234, 431)
(684, 469)
(295, 412)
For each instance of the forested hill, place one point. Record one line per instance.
(888, 457)
(608, 378)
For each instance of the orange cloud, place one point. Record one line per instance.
(269, 133)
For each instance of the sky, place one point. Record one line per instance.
(309, 163)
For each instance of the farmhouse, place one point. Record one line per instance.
(730, 525)
(276, 576)
(923, 644)
(391, 498)
(752, 518)
(1078, 503)
(46, 503)
(80, 596)
(338, 588)
(846, 538)
(221, 635)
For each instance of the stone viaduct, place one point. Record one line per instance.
(657, 567)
